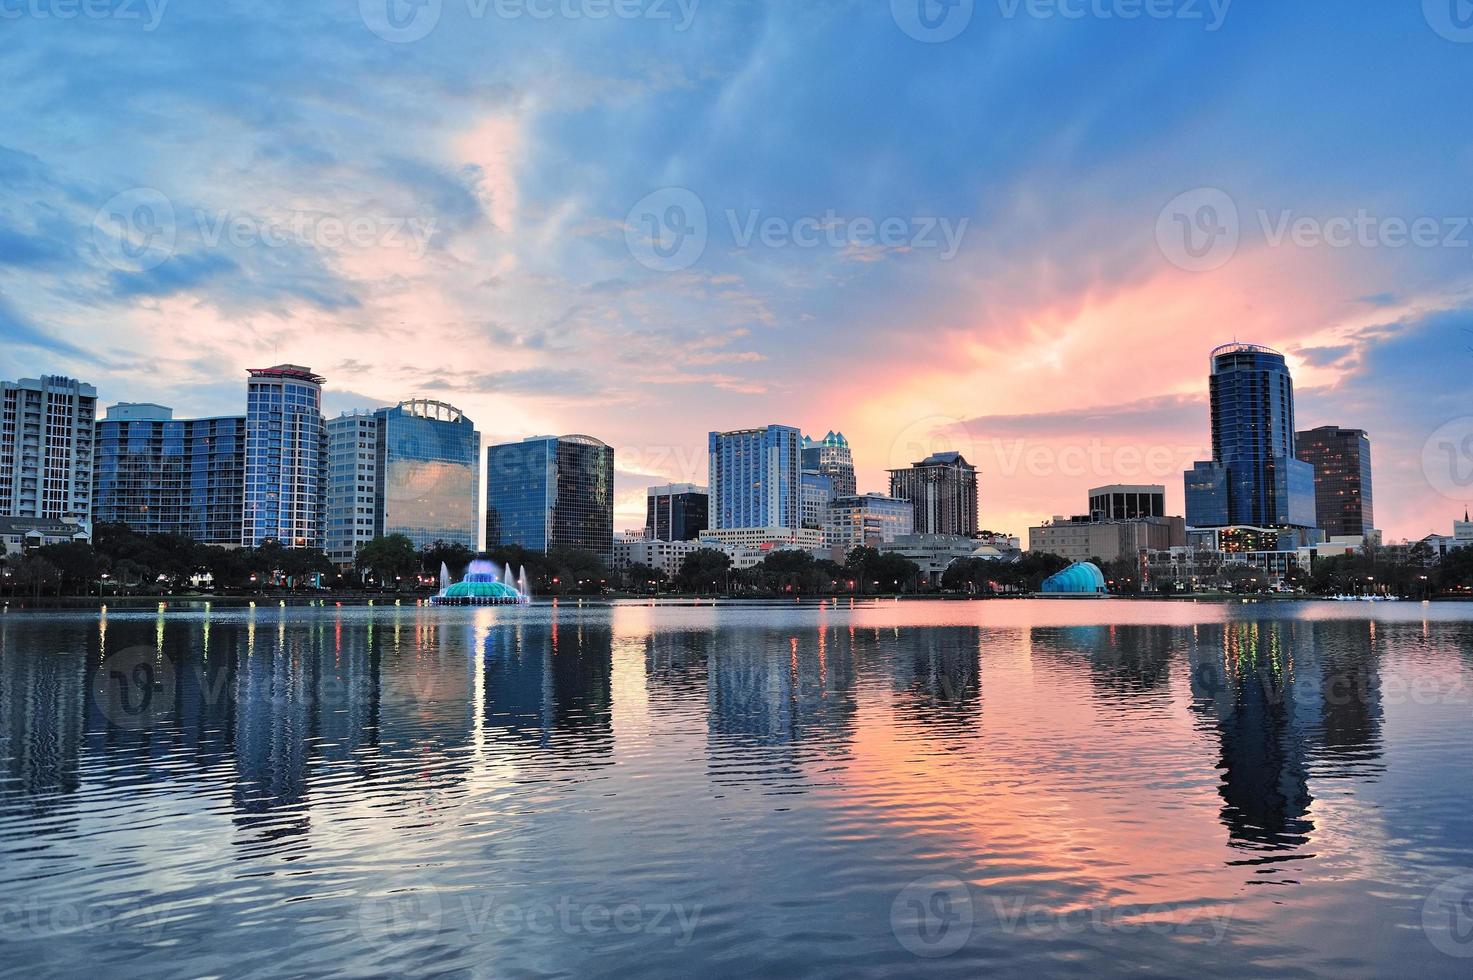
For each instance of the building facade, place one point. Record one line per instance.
(870, 519)
(428, 458)
(1254, 477)
(352, 484)
(286, 458)
(162, 475)
(756, 481)
(831, 457)
(46, 447)
(1082, 539)
(1342, 478)
(1126, 502)
(676, 512)
(942, 489)
(551, 492)
(666, 556)
(818, 493)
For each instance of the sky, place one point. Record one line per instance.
(1015, 228)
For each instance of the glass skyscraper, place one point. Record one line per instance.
(162, 475)
(1254, 477)
(286, 458)
(1342, 478)
(676, 512)
(551, 492)
(756, 478)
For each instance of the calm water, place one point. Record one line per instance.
(1004, 788)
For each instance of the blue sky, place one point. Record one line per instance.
(674, 218)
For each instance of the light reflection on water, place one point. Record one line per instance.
(1078, 788)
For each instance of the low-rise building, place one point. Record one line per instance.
(1082, 539)
(935, 553)
(666, 556)
(757, 537)
(21, 534)
(867, 520)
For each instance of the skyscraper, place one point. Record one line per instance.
(676, 512)
(756, 483)
(286, 457)
(1342, 478)
(1253, 478)
(551, 492)
(162, 475)
(46, 448)
(414, 469)
(942, 489)
(831, 457)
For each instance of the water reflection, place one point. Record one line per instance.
(1073, 749)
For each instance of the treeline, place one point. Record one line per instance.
(709, 571)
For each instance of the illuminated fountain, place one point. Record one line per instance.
(484, 585)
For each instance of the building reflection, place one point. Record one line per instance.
(936, 680)
(1289, 702)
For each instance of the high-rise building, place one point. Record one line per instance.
(1127, 502)
(1342, 478)
(162, 475)
(1254, 477)
(551, 492)
(46, 448)
(676, 512)
(818, 493)
(414, 469)
(352, 484)
(286, 458)
(870, 519)
(942, 489)
(831, 457)
(756, 483)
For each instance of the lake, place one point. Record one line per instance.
(1007, 788)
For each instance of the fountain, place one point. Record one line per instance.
(483, 585)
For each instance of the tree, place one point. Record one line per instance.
(390, 558)
(455, 557)
(35, 573)
(704, 569)
(639, 577)
(75, 563)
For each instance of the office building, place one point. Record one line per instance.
(352, 484)
(942, 489)
(1083, 539)
(1342, 478)
(818, 493)
(1254, 477)
(676, 512)
(551, 492)
(830, 456)
(46, 433)
(1126, 502)
(286, 458)
(870, 519)
(756, 485)
(664, 556)
(162, 475)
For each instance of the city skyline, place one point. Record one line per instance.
(1033, 306)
